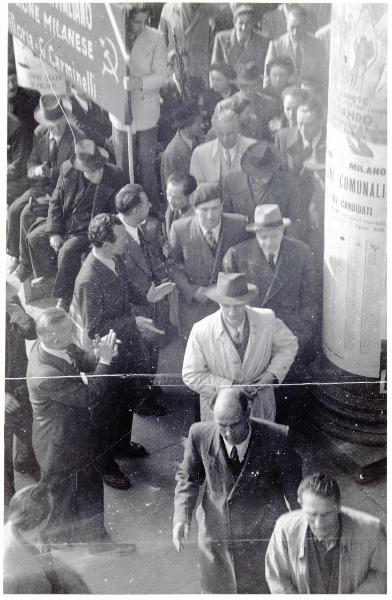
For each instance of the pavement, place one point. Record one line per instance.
(142, 515)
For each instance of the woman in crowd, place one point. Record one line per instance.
(279, 70)
(221, 87)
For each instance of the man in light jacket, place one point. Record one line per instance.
(326, 548)
(213, 160)
(148, 71)
(238, 344)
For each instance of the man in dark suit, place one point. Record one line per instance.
(177, 155)
(283, 270)
(53, 143)
(250, 476)
(197, 246)
(18, 151)
(103, 300)
(261, 181)
(180, 187)
(297, 144)
(18, 416)
(174, 93)
(61, 397)
(145, 267)
(86, 187)
(263, 107)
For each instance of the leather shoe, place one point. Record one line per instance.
(116, 480)
(63, 303)
(21, 273)
(132, 450)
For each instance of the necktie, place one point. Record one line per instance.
(298, 59)
(237, 338)
(211, 240)
(228, 158)
(271, 261)
(234, 460)
(72, 356)
(52, 152)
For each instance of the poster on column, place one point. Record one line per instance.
(35, 75)
(356, 192)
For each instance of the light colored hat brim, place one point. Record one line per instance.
(313, 165)
(213, 294)
(13, 286)
(259, 226)
(79, 166)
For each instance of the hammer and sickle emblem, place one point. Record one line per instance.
(110, 58)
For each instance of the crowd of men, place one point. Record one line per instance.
(220, 239)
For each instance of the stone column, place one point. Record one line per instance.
(353, 407)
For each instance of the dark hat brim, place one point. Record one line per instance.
(99, 161)
(260, 226)
(213, 294)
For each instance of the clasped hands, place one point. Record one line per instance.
(251, 390)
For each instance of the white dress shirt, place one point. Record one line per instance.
(241, 448)
(133, 231)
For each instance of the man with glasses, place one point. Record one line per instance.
(249, 474)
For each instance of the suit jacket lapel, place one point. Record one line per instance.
(260, 270)
(204, 251)
(218, 462)
(215, 159)
(65, 147)
(220, 251)
(73, 201)
(135, 254)
(62, 365)
(281, 271)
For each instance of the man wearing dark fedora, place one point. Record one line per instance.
(87, 186)
(240, 345)
(177, 155)
(197, 245)
(53, 143)
(265, 108)
(283, 270)
(262, 181)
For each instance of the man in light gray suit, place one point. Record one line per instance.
(306, 52)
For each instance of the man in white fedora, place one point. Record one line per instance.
(238, 345)
(283, 270)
